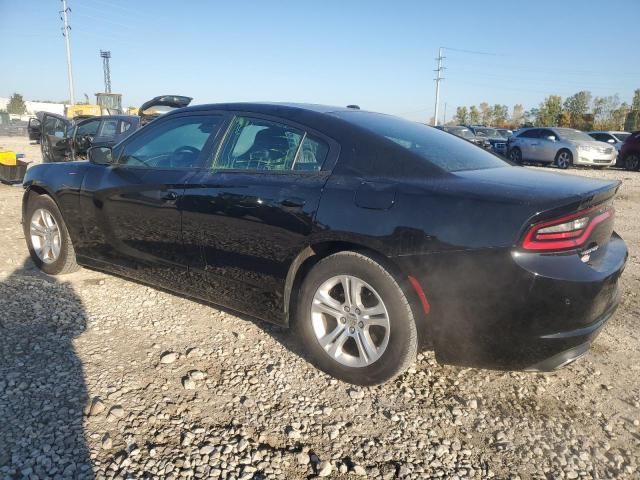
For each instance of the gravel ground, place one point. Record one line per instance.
(102, 377)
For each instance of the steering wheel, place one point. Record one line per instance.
(187, 149)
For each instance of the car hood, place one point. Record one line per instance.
(592, 144)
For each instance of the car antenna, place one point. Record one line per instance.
(355, 107)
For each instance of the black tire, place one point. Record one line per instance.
(402, 343)
(66, 261)
(515, 155)
(632, 162)
(564, 159)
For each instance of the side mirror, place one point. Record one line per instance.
(611, 140)
(100, 155)
(551, 138)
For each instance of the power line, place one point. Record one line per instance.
(66, 29)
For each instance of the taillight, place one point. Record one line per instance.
(567, 232)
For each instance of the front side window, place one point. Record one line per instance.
(88, 128)
(256, 144)
(109, 128)
(174, 143)
(60, 129)
(49, 125)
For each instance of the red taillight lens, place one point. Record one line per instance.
(567, 232)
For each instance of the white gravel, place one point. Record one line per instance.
(101, 377)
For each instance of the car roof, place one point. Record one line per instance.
(277, 108)
(607, 131)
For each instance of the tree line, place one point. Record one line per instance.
(580, 110)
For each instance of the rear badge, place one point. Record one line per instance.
(585, 255)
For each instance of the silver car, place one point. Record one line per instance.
(611, 137)
(562, 146)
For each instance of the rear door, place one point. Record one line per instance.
(131, 209)
(251, 212)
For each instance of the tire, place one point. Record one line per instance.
(632, 162)
(515, 155)
(564, 159)
(395, 347)
(65, 260)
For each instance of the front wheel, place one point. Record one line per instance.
(47, 236)
(355, 321)
(564, 159)
(516, 156)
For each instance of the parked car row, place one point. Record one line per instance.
(567, 146)
(62, 139)
(490, 138)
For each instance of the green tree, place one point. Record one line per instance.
(486, 114)
(619, 115)
(517, 116)
(577, 106)
(549, 113)
(605, 112)
(500, 114)
(462, 115)
(16, 105)
(635, 103)
(474, 115)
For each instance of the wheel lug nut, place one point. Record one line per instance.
(343, 320)
(361, 324)
(346, 309)
(352, 330)
(358, 312)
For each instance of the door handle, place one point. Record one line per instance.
(169, 197)
(292, 202)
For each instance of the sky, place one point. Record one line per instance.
(376, 54)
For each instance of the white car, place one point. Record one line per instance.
(562, 146)
(611, 137)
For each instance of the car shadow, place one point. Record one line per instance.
(42, 388)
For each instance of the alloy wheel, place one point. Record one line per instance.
(516, 156)
(45, 235)
(350, 321)
(564, 160)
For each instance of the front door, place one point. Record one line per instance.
(131, 209)
(55, 143)
(252, 211)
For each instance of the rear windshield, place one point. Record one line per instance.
(441, 149)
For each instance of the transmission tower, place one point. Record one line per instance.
(106, 55)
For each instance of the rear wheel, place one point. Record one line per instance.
(47, 237)
(564, 159)
(632, 162)
(516, 156)
(355, 321)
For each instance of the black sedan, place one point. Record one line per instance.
(370, 235)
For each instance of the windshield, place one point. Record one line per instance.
(433, 145)
(571, 134)
(462, 132)
(487, 132)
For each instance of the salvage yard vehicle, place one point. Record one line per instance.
(496, 141)
(560, 146)
(370, 235)
(612, 137)
(62, 139)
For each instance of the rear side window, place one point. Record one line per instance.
(311, 155)
(435, 146)
(258, 144)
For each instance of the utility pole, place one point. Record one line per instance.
(444, 116)
(106, 55)
(66, 29)
(438, 79)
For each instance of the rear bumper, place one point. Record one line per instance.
(518, 311)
